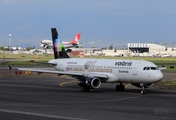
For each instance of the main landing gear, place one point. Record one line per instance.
(85, 89)
(143, 89)
(120, 87)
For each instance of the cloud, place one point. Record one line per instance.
(7, 2)
(123, 7)
(91, 42)
(18, 28)
(114, 21)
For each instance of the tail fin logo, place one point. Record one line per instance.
(59, 51)
(58, 45)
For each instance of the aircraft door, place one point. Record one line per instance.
(60, 66)
(135, 67)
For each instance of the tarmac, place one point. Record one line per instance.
(52, 97)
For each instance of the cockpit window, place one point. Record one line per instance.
(150, 68)
(153, 68)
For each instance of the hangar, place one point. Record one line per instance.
(145, 47)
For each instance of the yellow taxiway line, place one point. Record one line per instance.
(61, 84)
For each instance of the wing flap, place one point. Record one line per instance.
(63, 72)
(50, 71)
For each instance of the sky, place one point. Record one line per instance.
(101, 22)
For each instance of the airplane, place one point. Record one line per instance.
(73, 43)
(165, 55)
(91, 73)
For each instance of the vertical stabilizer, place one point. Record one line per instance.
(76, 39)
(58, 48)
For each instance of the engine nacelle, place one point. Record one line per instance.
(146, 85)
(46, 46)
(93, 83)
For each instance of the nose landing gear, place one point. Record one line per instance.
(143, 89)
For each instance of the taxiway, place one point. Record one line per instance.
(52, 97)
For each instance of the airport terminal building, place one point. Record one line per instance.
(149, 47)
(133, 49)
(145, 47)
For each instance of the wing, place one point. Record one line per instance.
(48, 71)
(162, 68)
(43, 62)
(64, 73)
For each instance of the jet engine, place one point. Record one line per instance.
(93, 83)
(44, 45)
(146, 85)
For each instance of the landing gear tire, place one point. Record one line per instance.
(143, 92)
(143, 89)
(85, 89)
(120, 88)
(117, 87)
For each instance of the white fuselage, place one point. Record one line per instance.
(122, 71)
(50, 44)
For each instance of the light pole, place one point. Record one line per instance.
(10, 41)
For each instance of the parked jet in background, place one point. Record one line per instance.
(74, 43)
(91, 73)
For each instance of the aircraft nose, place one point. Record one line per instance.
(158, 76)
